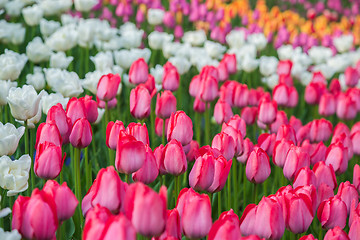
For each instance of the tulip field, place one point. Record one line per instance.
(179, 119)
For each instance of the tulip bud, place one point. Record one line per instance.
(165, 104)
(48, 132)
(281, 119)
(267, 111)
(325, 174)
(173, 159)
(248, 148)
(108, 86)
(194, 87)
(296, 158)
(81, 133)
(236, 136)
(225, 144)
(281, 149)
(230, 61)
(91, 108)
(336, 233)
(222, 112)
(57, 115)
(139, 131)
(351, 76)
(202, 174)
(337, 156)
(348, 193)
(48, 160)
(241, 95)
(208, 90)
(180, 128)
(199, 106)
(171, 77)
(320, 130)
(356, 177)
(222, 170)
(332, 212)
(346, 107)
(112, 133)
(159, 126)
(258, 166)
(149, 170)
(138, 72)
(226, 227)
(249, 115)
(75, 109)
(140, 101)
(304, 177)
(266, 141)
(327, 105)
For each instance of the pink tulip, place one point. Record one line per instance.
(287, 132)
(159, 126)
(208, 89)
(173, 159)
(354, 231)
(193, 149)
(225, 144)
(98, 216)
(351, 76)
(138, 72)
(355, 138)
(346, 107)
(194, 87)
(313, 92)
(75, 109)
(281, 119)
(236, 136)
(320, 130)
(48, 132)
(266, 141)
(308, 237)
(140, 101)
(199, 106)
(337, 156)
(267, 111)
(284, 67)
(230, 61)
(130, 154)
(180, 128)
(149, 170)
(325, 174)
(48, 160)
(222, 170)
(258, 166)
(305, 176)
(81, 133)
(223, 72)
(171, 77)
(139, 132)
(112, 133)
(336, 233)
(146, 209)
(57, 115)
(35, 217)
(226, 227)
(165, 104)
(248, 147)
(108, 86)
(281, 149)
(238, 123)
(296, 158)
(64, 198)
(202, 174)
(222, 112)
(356, 177)
(249, 115)
(348, 193)
(327, 104)
(332, 213)
(241, 95)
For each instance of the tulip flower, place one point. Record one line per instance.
(280, 151)
(10, 137)
(226, 227)
(348, 193)
(171, 77)
(337, 156)
(81, 133)
(336, 233)
(296, 158)
(248, 148)
(107, 87)
(48, 160)
(57, 115)
(193, 148)
(64, 198)
(258, 166)
(236, 136)
(351, 76)
(180, 128)
(146, 209)
(75, 109)
(173, 226)
(106, 180)
(327, 104)
(225, 144)
(199, 106)
(320, 130)
(139, 131)
(149, 170)
(354, 229)
(202, 174)
(267, 111)
(238, 123)
(173, 159)
(31, 213)
(140, 101)
(325, 174)
(249, 115)
(305, 176)
(356, 177)
(112, 133)
(222, 112)
(308, 237)
(313, 92)
(266, 141)
(48, 132)
(240, 95)
(332, 212)
(138, 72)
(91, 108)
(208, 89)
(165, 104)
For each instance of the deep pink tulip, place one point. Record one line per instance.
(64, 198)
(281, 119)
(35, 217)
(225, 144)
(199, 106)
(348, 193)
(285, 95)
(159, 126)
(240, 95)
(258, 166)
(252, 237)
(308, 237)
(296, 158)
(238, 123)
(97, 216)
(320, 130)
(318, 152)
(208, 90)
(149, 170)
(81, 133)
(327, 104)
(57, 115)
(336, 233)
(266, 141)
(223, 72)
(108, 86)
(91, 108)
(202, 174)
(355, 138)
(236, 136)
(139, 132)
(351, 76)
(325, 174)
(281, 149)
(180, 128)
(346, 107)
(171, 77)
(106, 180)
(310, 191)
(173, 226)
(227, 91)
(305, 176)
(209, 71)
(146, 209)
(222, 170)
(230, 60)
(130, 154)
(112, 133)
(138, 72)
(249, 115)
(48, 160)
(267, 111)
(48, 132)
(337, 156)
(356, 177)
(75, 109)
(248, 147)
(222, 112)
(226, 227)
(287, 132)
(332, 212)
(173, 159)
(150, 83)
(265, 219)
(313, 92)
(193, 148)
(284, 67)
(165, 104)
(140, 101)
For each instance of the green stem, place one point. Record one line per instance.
(219, 204)
(163, 134)
(152, 123)
(207, 126)
(228, 192)
(244, 188)
(198, 128)
(111, 157)
(76, 176)
(3, 193)
(255, 193)
(235, 184)
(87, 169)
(127, 178)
(106, 113)
(177, 188)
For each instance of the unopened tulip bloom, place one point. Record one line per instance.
(146, 209)
(248, 147)
(112, 133)
(165, 104)
(346, 107)
(108, 86)
(296, 158)
(287, 132)
(222, 112)
(97, 216)
(241, 95)
(208, 89)
(138, 72)
(336, 233)
(171, 77)
(266, 141)
(149, 170)
(281, 149)
(31, 213)
(332, 212)
(173, 159)
(139, 131)
(355, 137)
(173, 226)
(202, 174)
(193, 148)
(281, 119)
(48, 160)
(64, 198)
(327, 105)
(230, 61)
(313, 92)
(222, 170)
(57, 115)
(180, 128)
(305, 176)
(48, 132)
(351, 76)
(10, 137)
(225, 144)
(249, 115)
(337, 156)
(107, 190)
(194, 87)
(222, 70)
(140, 101)
(238, 123)
(348, 193)
(75, 109)
(130, 154)
(267, 111)
(308, 237)
(325, 174)
(81, 133)
(236, 136)
(258, 166)
(356, 177)
(199, 106)
(226, 227)
(354, 231)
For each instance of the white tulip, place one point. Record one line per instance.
(37, 51)
(268, 65)
(342, 82)
(14, 175)
(17, 34)
(55, 7)
(85, 34)
(91, 81)
(65, 38)
(339, 62)
(157, 72)
(24, 102)
(48, 27)
(155, 16)
(4, 90)
(182, 64)
(285, 52)
(271, 81)
(59, 60)
(33, 15)
(113, 44)
(306, 78)
(214, 49)
(13, 8)
(84, 5)
(132, 38)
(9, 138)
(103, 30)
(103, 61)
(49, 100)
(258, 39)
(2, 3)
(13, 33)
(249, 64)
(13, 235)
(235, 38)
(320, 54)
(158, 39)
(67, 19)
(195, 38)
(344, 43)
(64, 82)
(325, 69)
(34, 120)
(124, 58)
(170, 49)
(297, 69)
(37, 79)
